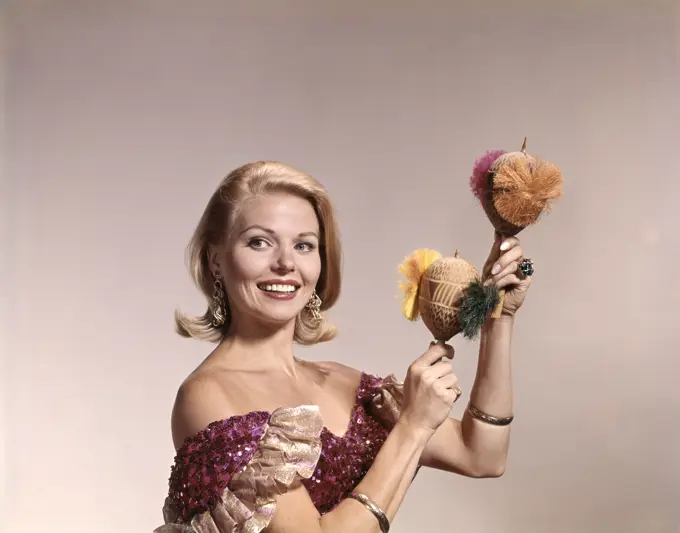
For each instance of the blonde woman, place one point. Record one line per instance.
(266, 441)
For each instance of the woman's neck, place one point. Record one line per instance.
(259, 349)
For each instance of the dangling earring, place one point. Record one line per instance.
(313, 307)
(219, 310)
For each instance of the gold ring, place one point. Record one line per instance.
(458, 393)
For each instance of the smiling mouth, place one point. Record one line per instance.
(277, 288)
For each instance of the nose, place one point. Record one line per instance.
(284, 261)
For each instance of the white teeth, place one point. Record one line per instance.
(279, 288)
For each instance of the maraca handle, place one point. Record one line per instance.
(501, 292)
(442, 343)
(499, 308)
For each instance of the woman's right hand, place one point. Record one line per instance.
(430, 389)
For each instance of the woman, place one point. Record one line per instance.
(266, 440)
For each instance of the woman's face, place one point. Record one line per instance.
(272, 261)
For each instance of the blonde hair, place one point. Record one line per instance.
(242, 184)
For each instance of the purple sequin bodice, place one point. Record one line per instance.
(345, 459)
(207, 462)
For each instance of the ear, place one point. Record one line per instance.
(215, 259)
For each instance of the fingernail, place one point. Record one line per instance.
(505, 245)
(496, 269)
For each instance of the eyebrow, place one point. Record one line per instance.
(272, 232)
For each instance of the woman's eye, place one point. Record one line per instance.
(305, 246)
(257, 243)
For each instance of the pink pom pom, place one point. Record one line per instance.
(480, 170)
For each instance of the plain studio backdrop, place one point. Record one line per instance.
(120, 118)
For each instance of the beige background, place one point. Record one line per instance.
(121, 118)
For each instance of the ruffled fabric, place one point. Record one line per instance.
(387, 403)
(288, 450)
(387, 400)
(226, 478)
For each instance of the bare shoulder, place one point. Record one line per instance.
(200, 400)
(339, 370)
(346, 377)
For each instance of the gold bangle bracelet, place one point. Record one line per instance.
(488, 419)
(373, 507)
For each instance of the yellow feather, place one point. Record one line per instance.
(413, 268)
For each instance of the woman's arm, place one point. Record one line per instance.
(385, 483)
(472, 447)
(428, 397)
(468, 446)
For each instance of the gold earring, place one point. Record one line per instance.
(313, 307)
(219, 310)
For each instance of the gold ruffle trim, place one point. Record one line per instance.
(290, 447)
(386, 404)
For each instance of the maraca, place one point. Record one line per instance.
(447, 293)
(515, 189)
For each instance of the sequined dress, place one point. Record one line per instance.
(225, 478)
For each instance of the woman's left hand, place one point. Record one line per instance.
(502, 270)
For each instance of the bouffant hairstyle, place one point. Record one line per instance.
(240, 185)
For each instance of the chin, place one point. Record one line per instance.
(277, 317)
(275, 323)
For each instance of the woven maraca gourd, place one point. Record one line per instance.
(447, 293)
(515, 189)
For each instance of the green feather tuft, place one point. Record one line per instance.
(477, 303)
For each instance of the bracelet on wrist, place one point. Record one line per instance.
(373, 508)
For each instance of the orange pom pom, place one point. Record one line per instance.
(520, 188)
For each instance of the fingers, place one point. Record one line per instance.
(513, 255)
(509, 270)
(434, 363)
(434, 353)
(451, 395)
(438, 370)
(430, 378)
(509, 243)
(511, 281)
(449, 381)
(446, 386)
(448, 389)
(505, 271)
(502, 247)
